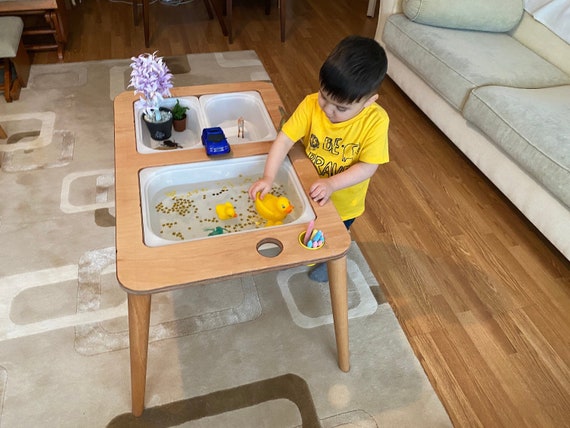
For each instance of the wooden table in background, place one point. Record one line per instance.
(143, 271)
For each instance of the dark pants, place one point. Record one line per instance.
(348, 223)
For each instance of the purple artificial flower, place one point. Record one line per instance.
(151, 78)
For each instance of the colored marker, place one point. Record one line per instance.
(309, 232)
(318, 236)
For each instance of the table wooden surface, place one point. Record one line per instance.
(143, 270)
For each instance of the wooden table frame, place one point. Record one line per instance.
(143, 271)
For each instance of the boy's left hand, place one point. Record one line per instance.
(321, 191)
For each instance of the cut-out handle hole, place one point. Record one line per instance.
(269, 247)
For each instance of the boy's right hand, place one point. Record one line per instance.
(263, 186)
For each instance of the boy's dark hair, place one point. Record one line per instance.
(354, 69)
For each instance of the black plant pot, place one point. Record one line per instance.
(160, 130)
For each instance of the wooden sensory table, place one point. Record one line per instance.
(143, 271)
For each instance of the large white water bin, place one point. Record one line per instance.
(179, 202)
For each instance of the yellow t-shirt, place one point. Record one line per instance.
(334, 147)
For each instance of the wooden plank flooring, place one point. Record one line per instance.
(482, 297)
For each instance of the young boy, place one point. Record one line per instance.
(345, 133)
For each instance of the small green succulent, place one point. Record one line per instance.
(179, 111)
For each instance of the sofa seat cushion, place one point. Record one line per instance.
(11, 28)
(453, 62)
(532, 127)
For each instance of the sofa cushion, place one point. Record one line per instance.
(532, 127)
(453, 62)
(482, 15)
(539, 38)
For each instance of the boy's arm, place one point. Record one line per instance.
(275, 158)
(323, 188)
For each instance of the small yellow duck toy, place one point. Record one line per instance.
(225, 211)
(273, 208)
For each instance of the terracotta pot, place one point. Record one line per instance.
(179, 124)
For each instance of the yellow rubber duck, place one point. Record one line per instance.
(225, 211)
(273, 208)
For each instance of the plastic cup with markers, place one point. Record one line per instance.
(312, 239)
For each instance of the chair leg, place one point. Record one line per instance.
(145, 4)
(220, 14)
(15, 90)
(60, 36)
(22, 65)
(282, 17)
(135, 11)
(282, 4)
(146, 13)
(229, 21)
(209, 9)
(7, 80)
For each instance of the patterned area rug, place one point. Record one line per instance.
(252, 352)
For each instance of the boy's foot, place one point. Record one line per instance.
(319, 273)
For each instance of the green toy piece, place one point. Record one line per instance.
(218, 230)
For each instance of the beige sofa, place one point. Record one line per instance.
(499, 88)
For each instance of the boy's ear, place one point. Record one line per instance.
(370, 100)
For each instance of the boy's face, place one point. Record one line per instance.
(340, 112)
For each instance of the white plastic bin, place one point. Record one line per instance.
(224, 110)
(207, 111)
(178, 201)
(188, 139)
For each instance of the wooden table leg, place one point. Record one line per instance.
(339, 300)
(139, 322)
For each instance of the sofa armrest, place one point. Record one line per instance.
(387, 8)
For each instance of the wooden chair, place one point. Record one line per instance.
(281, 5)
(13, 56)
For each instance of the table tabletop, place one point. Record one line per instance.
(142, 269)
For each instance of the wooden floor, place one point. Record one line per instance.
(483, 299)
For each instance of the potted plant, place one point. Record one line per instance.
(151, 78)
(179, 115)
